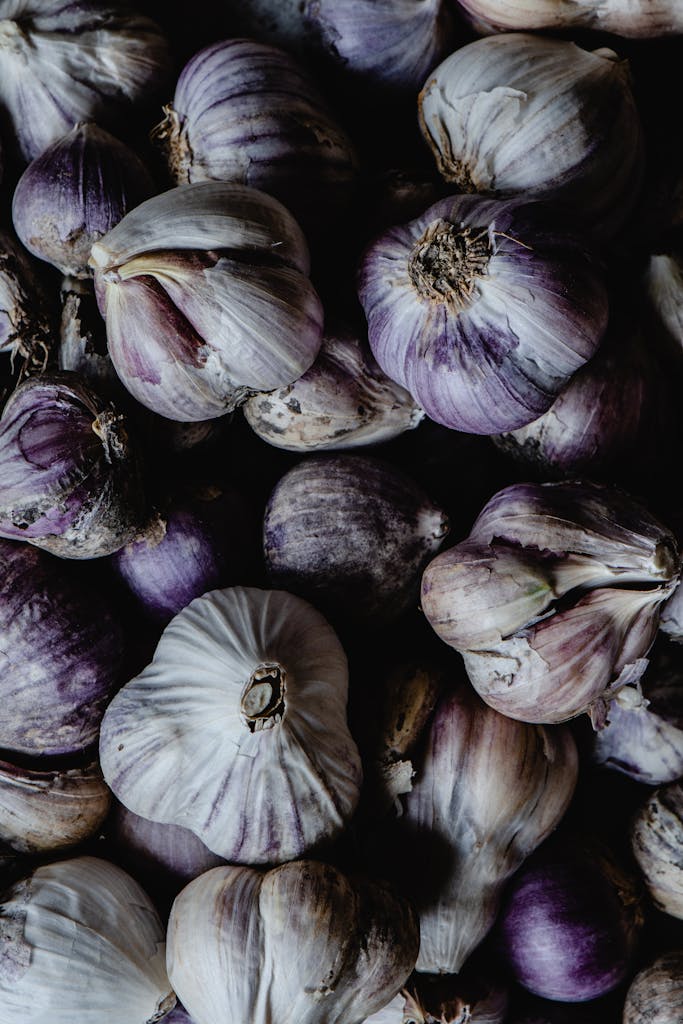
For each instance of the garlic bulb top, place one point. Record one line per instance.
(300, 944)
(61, 63)
(82, 942)
(207, 299)
(244, 706)
(522, 114)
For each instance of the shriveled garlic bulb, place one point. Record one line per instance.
(232, 933)
(81, 941)
(657, 842)
(244, 707)
(521, 114)
(207, 299)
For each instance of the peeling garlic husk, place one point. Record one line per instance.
(343, 401)
(232, 930)
(521, 114)
(49, 810)
(206, 296)
(465, 998)
(81, 942)
(82, 338)
(656, 836)
(25, 315)
(244, 706)
(639, 19)
(655, 994)
(487, 792)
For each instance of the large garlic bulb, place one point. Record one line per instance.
(300, 944)
(520, 114)
(244, 707)
(81, 941)
(207, 299)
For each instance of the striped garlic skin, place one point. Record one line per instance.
(82, 942)
(487, 792)
(244, 707)
(656, 993)
(233, 930)
(656, 836)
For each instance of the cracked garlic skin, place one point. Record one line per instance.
(656, 835)
(244, 706)
(554, 598)
(519, 114)
(487, 791)
(656, 993)
(232, 932)
(483, 309)
(81, 941)
(206, 297)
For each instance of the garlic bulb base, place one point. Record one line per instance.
(446, 261)
(263, 700)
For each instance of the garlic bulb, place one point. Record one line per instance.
(521, 114)
(554, 598)
(664, 283)
(343, 401)
(25, 314)
(82, 942)
(74, 192)
(63, 63)
(642, 19)
(71, 476)
(351, 533)
(657, 842)
(483, 309)
(232, 931)
(248, 113)
(206, 297)
(488, 791)
(656, 993)
(244, 706)
(51, 810)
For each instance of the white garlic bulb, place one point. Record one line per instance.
(244, 707)
(300, 944)
(641, 19)
(81, 941)
(656, 993)
(657, 843)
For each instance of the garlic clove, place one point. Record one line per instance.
(656, 836)
(230, 938)
(656, 992)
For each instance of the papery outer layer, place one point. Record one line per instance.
(640, 19)
(252, 797)
(656, 835)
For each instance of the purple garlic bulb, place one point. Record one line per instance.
(74, 193)
(483, 309)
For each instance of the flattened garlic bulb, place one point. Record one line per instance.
(300, 944)
(244, 708)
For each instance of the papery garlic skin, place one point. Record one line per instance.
(656, 836)
(487, 792)
(82, 337)
(656, 992)
(207, 299)
(520, 114)
(343, 401)
(244, 705)
(51, 810)
(231, 933)
(25, 316)
(640, 19)
(69, 62)
(81, 941)
(483, 309)
(664, 284)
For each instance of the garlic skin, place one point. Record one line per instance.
(248, 113)
(206, 297)
(343, 401)
(656, 836)
(71, 475)
(81, 941)
(483, 309)
(42, 811)
(244, 706)
(544, 564)
(74, 193)
(671, 621)
(231, 933)
(25, 315)
(520, 114)
(488, 791)
(351, 533)
(639, 19)
(664, 285)
(61, 63)
(656, 992)
(466, 998)
(82, 338)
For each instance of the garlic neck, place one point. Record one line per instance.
(446, 261)
(263, 699)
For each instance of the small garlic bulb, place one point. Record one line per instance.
(82, 942)
(521, 114)
(656, 993)
(233, 931)
(244, 706)
(657, 843)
